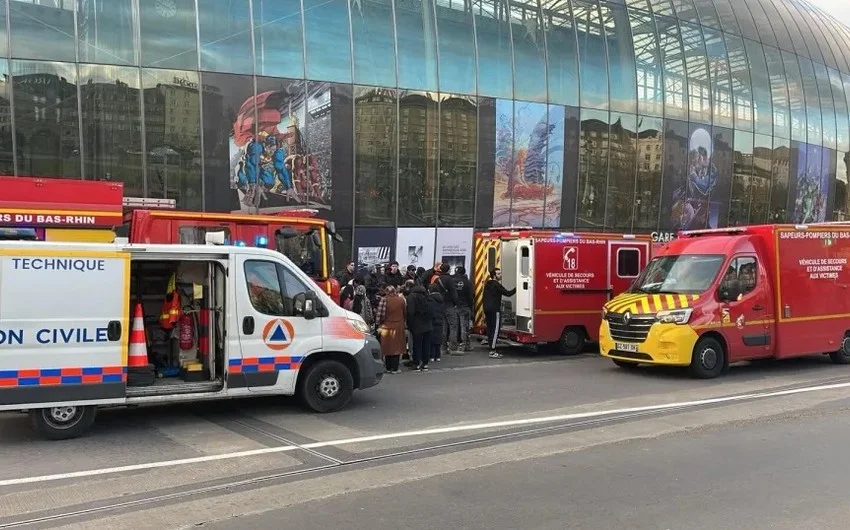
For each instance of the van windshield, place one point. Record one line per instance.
(686, 274)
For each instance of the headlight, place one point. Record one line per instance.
(676, 316)
(604, 312)
(359, 325)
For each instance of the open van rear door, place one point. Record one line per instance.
(524, 285)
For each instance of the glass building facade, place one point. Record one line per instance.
(606, 115)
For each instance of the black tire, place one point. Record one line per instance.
(327, 387)
(842, 355)
(708, 359)
(628, 365)
(62, 423)
(572, 341)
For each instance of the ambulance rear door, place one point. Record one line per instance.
(510, 279)
(524, 285)
(625, 261)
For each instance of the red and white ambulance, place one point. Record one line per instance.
(562, 279)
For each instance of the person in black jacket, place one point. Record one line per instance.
(493, 293)
(394, 276)
(419, 322)
(437, 308)
(464, 304)
(411, 274)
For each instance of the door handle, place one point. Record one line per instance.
(113, 331)
(248, 326)
(758, 308)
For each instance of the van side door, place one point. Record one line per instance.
(747, 319)
(274, 335)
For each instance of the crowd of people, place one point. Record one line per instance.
(417, 314)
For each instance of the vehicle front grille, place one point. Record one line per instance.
(635, 330)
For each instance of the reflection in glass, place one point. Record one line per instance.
(650, 157)
(841, 206)
(762, 21)
(592, 56)
(791, 27)
(777, 25)
(42, 31)
(46, 119)
(810, 89)
(593, 169)
(842, 120)
(562, 55)
(812, 41)
(106, 32)
(169, 34)
(675, 77)
(648, 64)
(172, 132)
(112, 141)
(742, 180)
(620, 208)
(780, 169)
(326, 32)
(6, 153)
(495, 67)
(762, 105)
(458, 136)
(621, 57)
(722, 160)
(796, 96)
(727, 16)
(375, 155)
(762, 174)
(456, 47)
(707, 14)
(721, 84)
(662, 7)
(811, 186)
(276, 56)
(826, 105)
(739, 70)
(529, 53)
(225, 31)
(417, 44)
(374, 43)
(418, 135)
(744, 19)
(676, 209)
(686, 10)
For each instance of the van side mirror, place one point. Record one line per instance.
(304, 305)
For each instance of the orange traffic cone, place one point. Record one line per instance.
(138, 354)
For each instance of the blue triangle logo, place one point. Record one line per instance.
(278, 335)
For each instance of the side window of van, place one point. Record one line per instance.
(272, 288)
(744, 270)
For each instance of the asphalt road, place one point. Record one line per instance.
(521, 442)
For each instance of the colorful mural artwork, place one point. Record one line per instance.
(692, 207)
(529, 164)
(810, 203)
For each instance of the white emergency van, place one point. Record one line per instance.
(66, 312)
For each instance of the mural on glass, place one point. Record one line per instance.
(812, 189)
(529, 163)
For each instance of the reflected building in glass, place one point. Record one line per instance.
(606, 115)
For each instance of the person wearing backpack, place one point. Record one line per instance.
(446, 287)
(419, 322)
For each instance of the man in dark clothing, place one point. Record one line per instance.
(438, 317)
(493, 293)
(394, 276)
(464, 304)
(346, 275)
(411, 274)
(374, 281)
(419, 322)
(446, 287)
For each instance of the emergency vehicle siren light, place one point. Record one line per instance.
(261, 241)
(146, 202)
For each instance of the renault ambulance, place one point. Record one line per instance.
(715, 297)
(79, 328)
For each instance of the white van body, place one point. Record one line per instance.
(65, 319)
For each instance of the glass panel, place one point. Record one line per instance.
(792, 28)
(762, 21)
(841, 206)
(488, 128)
(418, 136)
(841, 40)
(742, 91)
(707, 13)
(745, 19)
(326, 33)
(556, 162)
(762, 172)
(830, 47)
(374, 43)
(722, 161)
(417, 44)
(650, 145)
(686, 10)
(699, 83)
(172, 133)
(675, 77)
(796, 97)
(675, 207)
(742, 180)
(621, 58)
(330, 149)
(42, 30)
(842, 120)
(827, 107)
(780, 167)
(375, 156)
(777, 24)
(817, 51)
(662, 7)
(495, 67)
(829, 180)
(529, 53)
(278, 57)
(811, 185)
(456, 47)
(106, 32)
(225, 30)
(569, 189)
(592, 56)
(593, 169)
(620, 208)
(813, 113)
(46, 115)
(169, 34)
(650, 79)
(112, 139)
(6, 153)
(762, 105)
(458, 161)
(562, 55)
(638, 4)
(727, 16)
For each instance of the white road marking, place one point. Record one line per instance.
(419, 433)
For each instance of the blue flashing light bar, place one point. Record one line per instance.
(239, 243)
(261, 241)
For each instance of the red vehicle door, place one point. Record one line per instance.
(625, 261)
(747, 321)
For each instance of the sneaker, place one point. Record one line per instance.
(424, 368)
(419, 368)
(438, 359)
(495, 355)
(397, 372)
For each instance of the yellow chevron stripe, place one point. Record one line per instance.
(683, 301)
(644, 306)
(671, 303)
(656, 301)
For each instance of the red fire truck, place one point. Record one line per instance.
(79, 210)
(562, 280)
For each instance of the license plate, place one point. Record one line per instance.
(623, 346)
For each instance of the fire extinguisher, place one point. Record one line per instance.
(187, 332)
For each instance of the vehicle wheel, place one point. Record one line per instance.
(572, 341)
(708, 359)
(629, 365)
(327, 387)
(62, 423)
(842, 356)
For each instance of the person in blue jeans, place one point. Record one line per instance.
(437, 308)
(419, 322)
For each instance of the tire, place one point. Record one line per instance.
(572, 341)
(842, 355)
(327, 387)
(708, 359)
(62, 423)
(628, 365)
